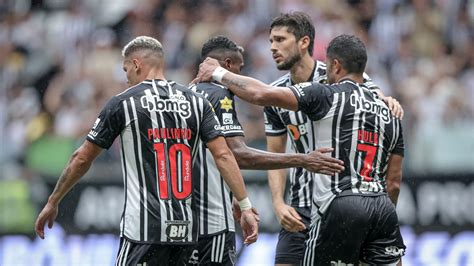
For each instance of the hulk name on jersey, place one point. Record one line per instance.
(280, 121)
(213, 196)
(160, 124)
(358, 125)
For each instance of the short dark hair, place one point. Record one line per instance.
(350, 51)
(219, 44)
(299, 24)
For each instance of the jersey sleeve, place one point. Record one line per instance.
(108, 125)
(273, 124)
(369, 83)
(314, 99)
(399, 145)
(224, 107)
(210, 126)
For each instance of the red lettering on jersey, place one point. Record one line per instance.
(368, 136)
(169, 133)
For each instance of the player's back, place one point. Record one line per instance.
(214, 199)
(367, 133)
(163, 124)
(358, 125)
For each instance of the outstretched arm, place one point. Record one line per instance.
(249, 89)
(77, 166)
(250, 158)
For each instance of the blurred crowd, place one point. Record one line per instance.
(60, 60)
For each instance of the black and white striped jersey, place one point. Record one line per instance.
(214, 200)
(162, 126)
(301, 132)
(358, 125)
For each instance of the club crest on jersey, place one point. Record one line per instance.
(371, 107)
(226, 104)
(177, 104)
(177, 230)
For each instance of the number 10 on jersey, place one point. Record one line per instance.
(179, 173)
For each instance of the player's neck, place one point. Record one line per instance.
(155, 73)
(303, 69)
(357, 78)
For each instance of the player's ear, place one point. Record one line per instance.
(304, 43)
(136, 64)
(337, 66)
(227, 63)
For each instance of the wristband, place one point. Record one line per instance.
(245, 204)
(218, 73)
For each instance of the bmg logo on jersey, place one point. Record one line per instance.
(177, 230)
(156, 104)
(372, 107)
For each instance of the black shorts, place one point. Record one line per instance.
(214, 250)
(290, 247)
(356, 229)
(131, 253)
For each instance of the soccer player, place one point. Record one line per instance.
(161, 123)
(216, 243)
(353, 220)
(292, 41)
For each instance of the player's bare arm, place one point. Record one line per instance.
(317, 161)
(394, 176)
(287, 216)
(230, 171)
(249, 89)
(77, 166)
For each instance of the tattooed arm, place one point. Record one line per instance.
(249, 89)
(77, 166)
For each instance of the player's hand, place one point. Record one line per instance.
(237, 213)
(206, 68)
(394, 106)
(48, 214)
(288, 218)
(319, 162)
(249, 225)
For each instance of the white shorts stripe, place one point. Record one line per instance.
(222, 247)
(125, 254)
(213, 252)
(119, 257)
(308, 259)
(217, 249)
